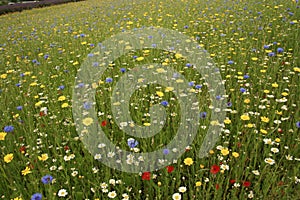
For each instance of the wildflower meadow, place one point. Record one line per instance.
(172, 99)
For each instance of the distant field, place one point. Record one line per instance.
(254, 45)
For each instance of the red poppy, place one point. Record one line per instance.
(217, 186)
(103, 123)
(214, 169)
(170, 169)
(66, 148)
(232, 181)
(146, 176)
(246, 183)
(280, 130)
(42, 113)
(22, 149)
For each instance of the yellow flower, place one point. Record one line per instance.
(178, 55)
(250, 125)
(266, 91)
(247, 101)
(211, 152)
(235, 154)
(61, 98)
(198, 184)
(160, 94)
(284, 94)
(38, 104)
(254, 58)
(3, 76)
(8, 158)
(168, 89)
(265, 119)
(227, 121)
(64, 105)
(263, 131)
(26, 171)
(147, 124)
(18, 198)
(275, 85)
(245, 117)
(87, 121)
(224, 151)
(2, 135)
(43, 157)
(278, 112)
(140, 58)
(277, 140)
(296, 69)
(159, 183)
(201, 166)
(188, 161)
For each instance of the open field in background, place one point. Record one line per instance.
(254, 43)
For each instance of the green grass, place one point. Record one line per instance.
(229, 30)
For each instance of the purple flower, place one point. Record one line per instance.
(230, 62)
(191, 83)
(47, 179)
(36, 196)
(229, 104)
(8, 129)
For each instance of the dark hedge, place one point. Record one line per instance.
(18, 7)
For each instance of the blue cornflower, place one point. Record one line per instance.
(123, 70)
(108, 80)
(188, 64)
(19, 107)
(246, 76)
(36, 196)
(218, 97)
(266, 46)
(230, 62)
(87, 105)
(166, 151)
(61, 87)
(132, 142)
(242, 90)
(134, 57)
(198, 86)
(203, 115)
(191, 83)
(298, 124)
(80, 85)
(229, 104)
(8, 129)
(95, 64)
(271, 54)
(280, 50)
(164, 103)
(18, 84)
(46, 56)
(47, 179)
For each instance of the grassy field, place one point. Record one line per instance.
(254, 43)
